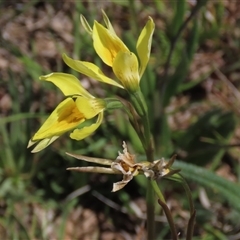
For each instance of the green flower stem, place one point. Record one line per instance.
(140, 106)
(138, 102)
(114, 103)
(157, 191)
(150, 199)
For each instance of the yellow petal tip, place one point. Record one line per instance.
(45, 77)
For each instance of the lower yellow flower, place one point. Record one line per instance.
(78, 107)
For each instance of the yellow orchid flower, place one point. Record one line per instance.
(127, 67)
(78, 107)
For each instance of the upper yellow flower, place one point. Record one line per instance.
(79, 106)
(127, 67)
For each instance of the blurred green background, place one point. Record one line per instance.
(192, 90)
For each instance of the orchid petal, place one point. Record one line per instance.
(90, 70)
(108, 23)
(144, 45)
(90, 107)
(106, 43)
(85, 24)
(79, 134)
(121, 184)
(92, 169)
(125, 67)
(43, 143)
(65, 117)
(102, 161)
(67, 83)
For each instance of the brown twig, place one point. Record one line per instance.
(169, 218)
